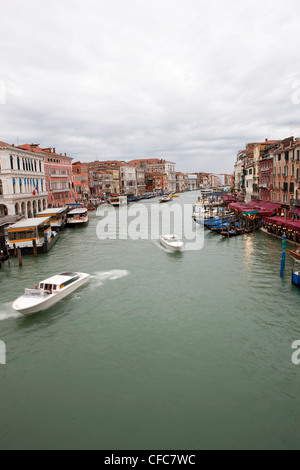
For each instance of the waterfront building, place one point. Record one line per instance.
(141, 169)
(252, 154)
(156, 165)
(249, 174)
(180, 182)
(204, 181)
(100, 183)
(128, 181)
(285, 172)
(111, 167)
(156, 182)
(22, 181)
(140, 180)
(81, 182)
(192, 180)
(58, 171)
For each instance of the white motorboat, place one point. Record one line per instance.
(166, 199)
(172, 242)
(49, 292)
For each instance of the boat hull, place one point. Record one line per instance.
(77, 224)
(296, 254)
(171, 246)
(50, 301)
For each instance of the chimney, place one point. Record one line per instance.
(65, 154)
(54, 151)
(266, 140)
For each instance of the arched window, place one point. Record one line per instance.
(23, 164)
(18, 163)
(11, 162)
(35, 165)
(1, 188)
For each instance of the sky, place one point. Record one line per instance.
(191, 81)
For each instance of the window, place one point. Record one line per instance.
(24, 235)
(11, 163)
(18, 163)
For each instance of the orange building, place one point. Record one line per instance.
(157, 182)
(81, 182)
(286, 173)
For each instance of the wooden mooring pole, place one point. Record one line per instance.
(20, 256)
(34, 248)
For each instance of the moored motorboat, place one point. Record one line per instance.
(49, 292)
(296, 254)
(172, 242)
(296, 278)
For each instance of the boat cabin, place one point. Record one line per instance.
(118, 201)
(55, 284)
(24, 232)
(57, 216)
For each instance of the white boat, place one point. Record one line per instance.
(49, 292)
(172, 242)
(166, 199)
(77, 218)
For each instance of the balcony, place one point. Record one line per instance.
(295, 202)
(65, 190)
(264, 186)
(59, 175)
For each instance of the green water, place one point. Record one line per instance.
(159, 351)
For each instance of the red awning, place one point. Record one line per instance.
(265, 209)
(285, 222)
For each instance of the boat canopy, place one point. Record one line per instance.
(61, 280)
(78, 211)
(51, 212)
(28, 224)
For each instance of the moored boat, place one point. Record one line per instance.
(49, 292)
(77, 218)
(172, 242)
(118, 201)
(296, 254)
(296, 278)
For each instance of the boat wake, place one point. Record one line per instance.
(113, 275)
(7, 312)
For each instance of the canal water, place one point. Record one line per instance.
(159, 351)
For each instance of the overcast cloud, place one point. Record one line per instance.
(187, 80)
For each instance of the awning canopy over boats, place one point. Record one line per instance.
(262, 208)
(229, 198)
(285, 223)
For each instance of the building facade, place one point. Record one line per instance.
(22, 182)
(58, 170)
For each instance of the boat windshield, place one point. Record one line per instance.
(35, 293)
